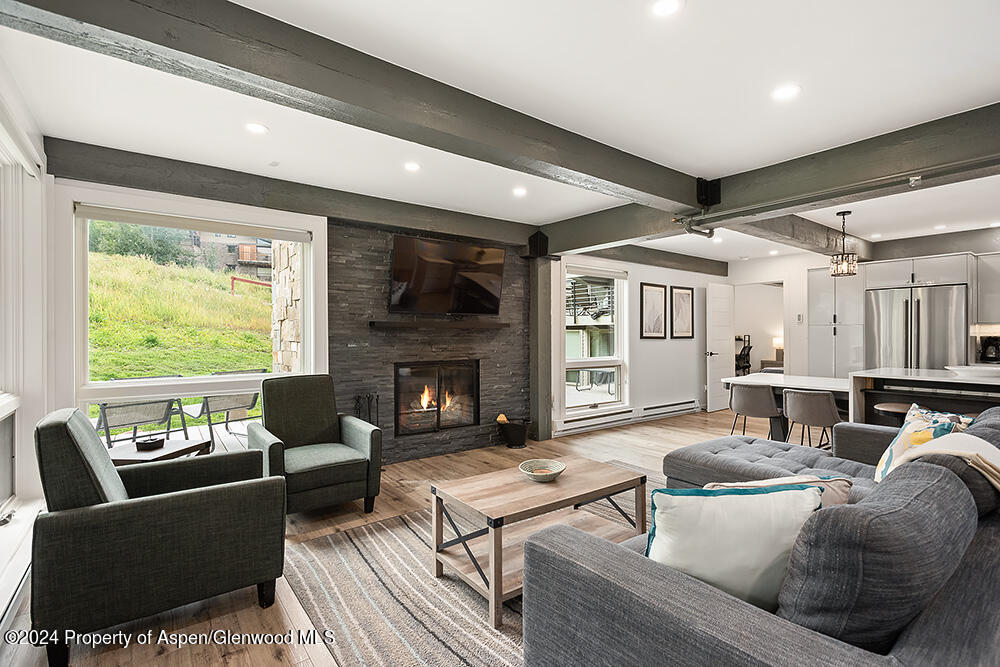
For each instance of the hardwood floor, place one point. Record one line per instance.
(405, 488)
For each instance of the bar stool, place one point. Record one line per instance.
(896, 411)
(752, 401)
(811, 408)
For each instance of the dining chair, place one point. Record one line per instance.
(808, 409)
(752, 401)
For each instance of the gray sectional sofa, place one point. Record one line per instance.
(903, 575)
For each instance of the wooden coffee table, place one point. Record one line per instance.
(510, 507)
(127, 454)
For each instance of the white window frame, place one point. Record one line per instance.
(597, 268)
(185, 212)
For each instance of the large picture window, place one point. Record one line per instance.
(171, 300)
(594, 361)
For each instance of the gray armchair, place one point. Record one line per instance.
(326, 458)
(119, 544)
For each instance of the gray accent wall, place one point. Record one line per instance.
(361, 358)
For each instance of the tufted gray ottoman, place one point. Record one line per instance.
(741, 458)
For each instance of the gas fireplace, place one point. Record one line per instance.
(435, 395)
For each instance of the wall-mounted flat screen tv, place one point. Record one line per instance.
(443, 277)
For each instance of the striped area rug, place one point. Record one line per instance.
(371, 587)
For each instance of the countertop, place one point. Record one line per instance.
(791, 381)
(922, 374)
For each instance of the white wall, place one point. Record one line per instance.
(670, 370)
(759, 311)
(791, 271)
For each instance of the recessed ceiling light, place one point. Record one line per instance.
(256, 128)
(773, 252)
(519, 191)
(876, 235)
(744, 258)
(667, 7)
(273, 164)
(411, 166)
(716, 240)
(785, 92)
(940, 226)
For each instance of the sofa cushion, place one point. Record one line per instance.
(325, 464)
(952, 627)
(74, 464)
(860, 573)
(987, 426)
(985, 495)
(741, 458)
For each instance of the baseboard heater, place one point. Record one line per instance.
(667, 409)
(628, 416)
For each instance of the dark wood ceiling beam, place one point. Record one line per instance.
(97, 164)
(663, 259)
(956, 148)
(797, 232)
(232, 47)
(631, 223)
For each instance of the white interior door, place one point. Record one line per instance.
(720, 353)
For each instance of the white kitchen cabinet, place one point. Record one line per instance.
(989, 288)
(849, 299)
(836, 323)
(849, 349)
(946, 270)
(821, 297)
(897, 273)
(821, 351)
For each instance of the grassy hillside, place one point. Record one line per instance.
(150, 319)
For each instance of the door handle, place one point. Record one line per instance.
(711, 354)
(916, 333)
(906, 333)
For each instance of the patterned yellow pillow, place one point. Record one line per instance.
(921, 425)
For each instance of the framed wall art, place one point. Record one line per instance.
(682, 312)
(652, 310)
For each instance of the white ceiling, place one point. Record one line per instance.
(692, 90)
(75, 94)
(959, 206)
(727, 246)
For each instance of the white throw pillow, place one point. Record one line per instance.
(737, 540)
(836, 490)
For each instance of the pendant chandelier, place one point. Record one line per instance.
(846, 263)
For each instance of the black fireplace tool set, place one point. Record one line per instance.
(363, 408)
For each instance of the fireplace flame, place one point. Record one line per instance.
(425, 398)
(447, 400)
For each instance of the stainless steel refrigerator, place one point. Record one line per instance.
(917, 327)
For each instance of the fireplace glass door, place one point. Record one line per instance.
(431, 396)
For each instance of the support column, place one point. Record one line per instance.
(540, 347)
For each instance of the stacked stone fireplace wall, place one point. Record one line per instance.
(362, 358)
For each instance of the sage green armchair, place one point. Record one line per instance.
(119, 544)
(326, 458)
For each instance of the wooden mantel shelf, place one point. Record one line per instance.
(437, 324)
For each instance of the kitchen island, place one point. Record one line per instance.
(935, 389)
